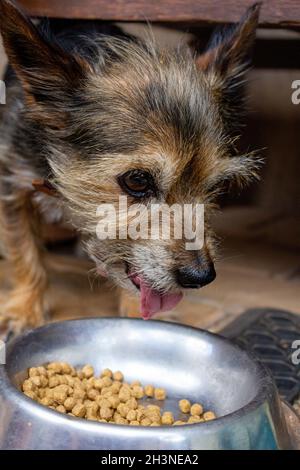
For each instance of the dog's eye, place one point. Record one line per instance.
(137, 183)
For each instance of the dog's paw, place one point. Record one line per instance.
(11, 327)
(20, 313)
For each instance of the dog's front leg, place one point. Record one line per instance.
(25, 304)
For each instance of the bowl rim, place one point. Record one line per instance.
(266, 388)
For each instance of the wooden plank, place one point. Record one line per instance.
(275, 13)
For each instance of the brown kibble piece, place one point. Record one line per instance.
(30, 394)
(69, 403)
(124, 394)
(106, 413)
(98, 384)
(167, 418)
(160, 393)
(46, 401)
(61, 409)
(154, 417)
(137, 391)
(149, 391)
(196, 409)
(79, 393)
(28, 386)
(92, 394)
(79, 410)
(33, 372)
(103, 402)
(66, 368)
(60, 395)
(184, 406)
(53, 381)
(132, 403)
(154, 408)
(131, 415)
(145, 422)
(106, 381)
(209, 415)
(121, 421)
(87, 371)
(115, 387)
(123, 410)
(42, 370)
(194, 419)
(118, 376)
(106, 373)
(114, 401)
(55, 366)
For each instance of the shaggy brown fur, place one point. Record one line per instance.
(86, 104)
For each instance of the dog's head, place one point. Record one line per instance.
(127, 119)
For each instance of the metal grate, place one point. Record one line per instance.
(271, 334)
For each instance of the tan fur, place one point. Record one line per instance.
(82, 118)
(25, 306)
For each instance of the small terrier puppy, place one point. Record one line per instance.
(92, 114)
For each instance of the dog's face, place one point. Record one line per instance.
(133, 121)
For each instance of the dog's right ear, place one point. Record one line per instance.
(226, 61)
(42, 65)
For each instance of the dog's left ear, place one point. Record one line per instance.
(226, 60)
(47, 72)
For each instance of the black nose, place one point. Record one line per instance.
(192, 278)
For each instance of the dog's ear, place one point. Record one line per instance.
(42, 65)
(226, 60)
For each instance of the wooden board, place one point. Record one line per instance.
(276, 13)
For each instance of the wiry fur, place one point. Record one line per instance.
(85, 107)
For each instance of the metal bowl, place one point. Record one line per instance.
(188, 362)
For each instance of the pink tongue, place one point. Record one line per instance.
(152, 301)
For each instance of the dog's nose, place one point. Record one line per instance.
(192, 278)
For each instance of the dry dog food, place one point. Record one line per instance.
(107, 398)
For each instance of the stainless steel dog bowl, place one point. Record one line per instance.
(188, 362)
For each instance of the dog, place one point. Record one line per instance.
(92, 114)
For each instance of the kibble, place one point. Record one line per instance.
(61, 409)
(131, 415)
(106, 413)
(106, 398)
(79, 410)
(124, 394)
(184, 406)
(196, 409)
(149, 391)
(167, 418)
(69, 403)
(137, 391)
(160, 394)
(209, 415)
(87, 371)
(118, 376)
(194, 419)
(107, 373)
